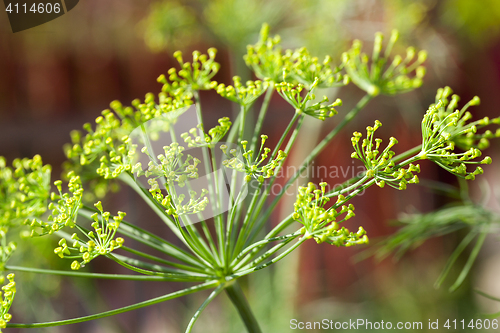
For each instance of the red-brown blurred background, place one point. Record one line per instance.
(55, 77)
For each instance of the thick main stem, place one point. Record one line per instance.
(240, 302)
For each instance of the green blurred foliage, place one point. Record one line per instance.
(322, 26)
(478, 21)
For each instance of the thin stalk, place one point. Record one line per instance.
(263, 242)
(192, 238)
(234, 128)
(270, 262)
(240, 241)
(206, 163)
(198, 312)
(262, 115)
(206, 231)
(182, 268)
(135, 269)
(151, 267)
(197, 244)
(243, 110)
(219, 218)
(231, 229)
(347, 189)
(280, 227)
(470, 260)
(263, 198)
(101, 275)
(454, 256)
(183, 292)
(244, 263)
(285, 134)
(239, 300)
(250, 218)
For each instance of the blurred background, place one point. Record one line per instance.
(60, 75)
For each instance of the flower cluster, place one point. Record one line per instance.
(24, 190)
(269, 62)
(244, 95)
(9, 292)
(108, 143)
(172, 166)
(292, 94)
(379, 164)
(444, 128)
(101, 241)
(253, 167)
(306, 69)
(107, 150)
(376, 75)
(266, 57)
(320, 223)
(215, 134)
(192, 76)
(174, 205)
(64, 208)
(5, 251)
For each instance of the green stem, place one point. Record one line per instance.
(272, 261)
(197, 314)
(260, 224)
(184, 269)
(285, 134)
(97, 275)
(243, 110)
(183, 292)
(234, 129)
(260, 243)
(154, 267)
(246, 263)
(240, 302)
(262, 115)
(208, 172)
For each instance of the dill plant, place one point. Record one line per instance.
(236, 240)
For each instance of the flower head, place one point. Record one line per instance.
(193, 76)
(255, 167)
(100, 241)
(244, 95)
(215, 134)
(321, 223)
(445, 128)
(379, 164)
(9, 292)
(24, 190)
(293, 95)
(376, 75)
